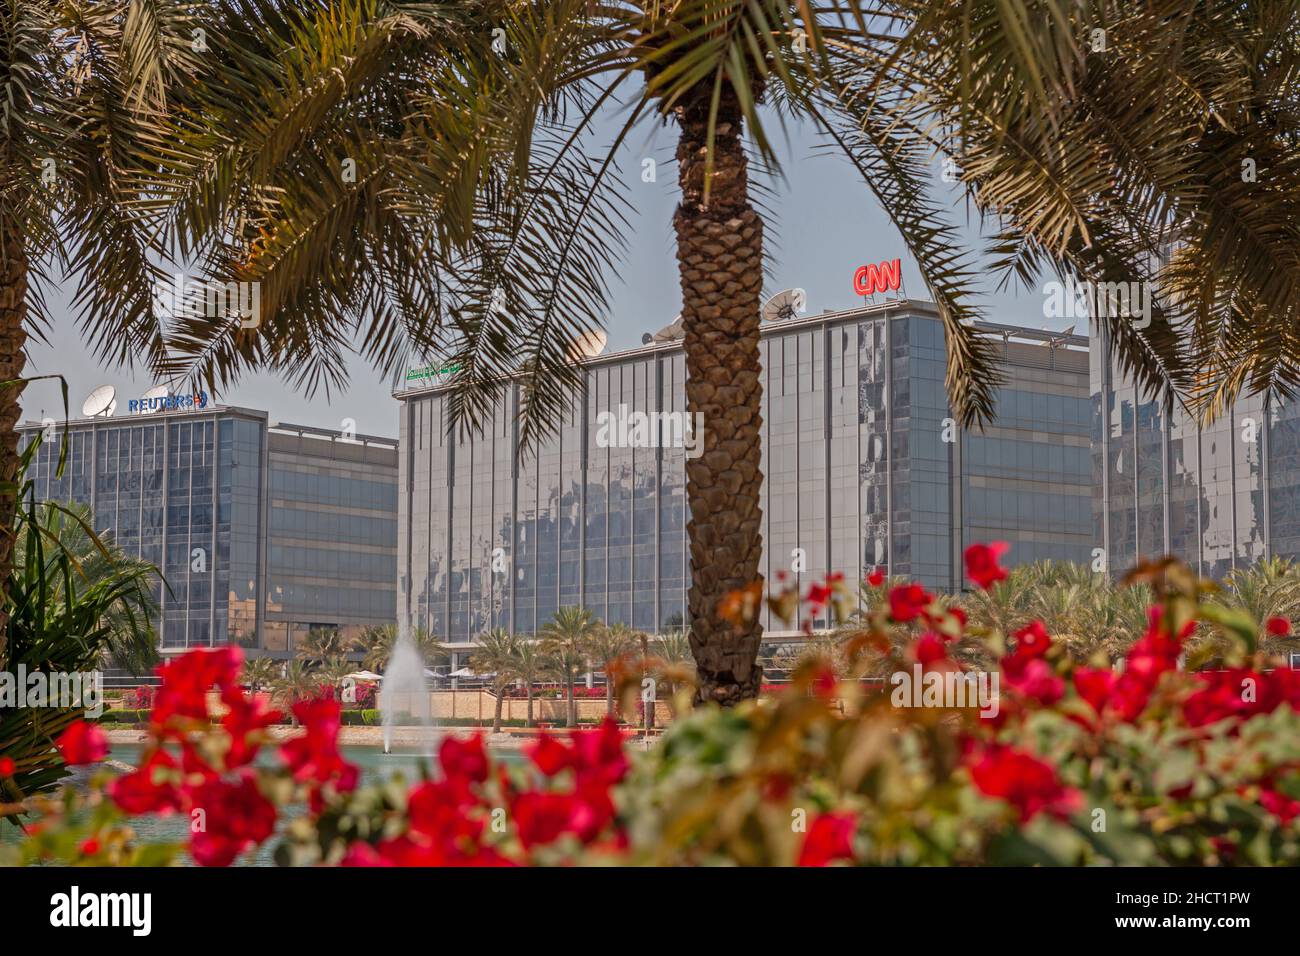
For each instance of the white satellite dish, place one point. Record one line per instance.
(158, 391)
(785, 305)
(588, 345)
(101, 402)
(670, 332)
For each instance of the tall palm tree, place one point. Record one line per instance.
(606, 645)
(496, 655)
(85, 87)
(566, 643)
(297, 681)
(420, 178)
(376, 644)
(322, 644)
(529, 665)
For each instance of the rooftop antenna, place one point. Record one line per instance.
(673, 330)
(588, 345)
(785, 305)
(101, 403)
(158, 391)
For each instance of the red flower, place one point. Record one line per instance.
(244, 718)
(1278, 626)
(876, 577)
(1037, 680)
(464, 759)
(187, 679)
(7, 766)
(361, 853)
(235, 816)
(549, 754)
(982, 563)
(929, 649)
(1283, 806)
(89, 847)
(908, 601)
(1094, 685)
(543, 817)
(1027, 783)
(149, 789)
(829, 838)
(824, 683)
(83, 743)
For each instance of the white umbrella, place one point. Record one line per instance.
(366, 675)
(466, 672)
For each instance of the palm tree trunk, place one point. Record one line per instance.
(529, 692)
(13, 336)
(609, 692)
(719, 261)
(496, 719)
(571, 715)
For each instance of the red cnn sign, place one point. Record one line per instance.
(870, 279)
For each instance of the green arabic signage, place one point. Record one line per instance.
(431, 373)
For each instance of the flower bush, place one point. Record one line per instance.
(1078, 762)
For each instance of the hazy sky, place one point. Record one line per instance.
(823, 223)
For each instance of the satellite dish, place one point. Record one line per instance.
(588, 345)
(101, 402)
(647, 338)
(673, 330)
(158, 391)
(785, 305)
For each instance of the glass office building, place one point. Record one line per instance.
(863, 466)
(1219, 497)
(262, 532)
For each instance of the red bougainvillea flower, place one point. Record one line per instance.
(187, 679)
(908, 601)
(982, 563)
(1238, 692)
(465, 760)
(82, 743)
(598, 754)
(829, 838)
(244, 720)
(149, 789)
(824, 683)
(1278, 626)
(1286, 808)
(235, 816)
(361, 853)
(876, 577)
(1095, 685)
(314, 757)
(7, 766)
(1027, 783)
(549, 754)
(929, 649)
(1036, 680)
(544, 817)
(88, 847)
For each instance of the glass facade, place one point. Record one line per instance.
(863, 466)
(259, 533)
(1219, 497)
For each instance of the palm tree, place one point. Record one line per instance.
(440, 164)
(261, 672)
(529, 665)
(376, 644)
(296, 682)
(86, 89)
(565, 642)
(321, 644)
(130, 640)
(606, 645)
(1268, 589)
(496, 655)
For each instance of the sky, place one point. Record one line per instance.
(822, 223)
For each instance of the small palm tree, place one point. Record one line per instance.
(566, 642)
(529, 665)
(261, 672)
(495, 655)
(1268, 589)
(321, 644)
(606, 645)
(296, 682)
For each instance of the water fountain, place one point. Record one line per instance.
(404, 689)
